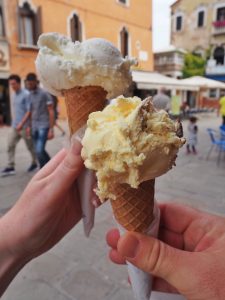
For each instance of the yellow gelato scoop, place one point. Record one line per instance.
(129, 142)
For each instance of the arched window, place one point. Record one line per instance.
(29, 25)
(124, 42)
(218, 55)
(75, 28)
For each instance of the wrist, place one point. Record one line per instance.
(10, 262)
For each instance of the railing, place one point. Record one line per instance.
(219, 27)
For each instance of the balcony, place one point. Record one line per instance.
(219, 27)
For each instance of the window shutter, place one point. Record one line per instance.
(72, 29)
(19, 33)
(37, 24)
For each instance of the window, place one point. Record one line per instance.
(179, 21)
(2, 27)
(212, 93)
(122, 1)
(124, 42)
(201, 17)
(76, 28)
(29, 25)
(218, 55)
(221, 14)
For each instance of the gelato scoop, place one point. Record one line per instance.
(129, 142)
(62, 65)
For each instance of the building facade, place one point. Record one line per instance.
(199, 26)
(126, 23)
(170, 61)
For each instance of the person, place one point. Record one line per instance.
(176, 103)
(192, 135)
(42, 117)
(20, 106)
(56, 114)
(188, 257)
(161, 100)
(222, 107)
(48, 208)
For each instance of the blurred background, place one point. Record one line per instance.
(180, 46)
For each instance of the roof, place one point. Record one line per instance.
(154, 80)
(204, 82)
(176, 2)
(170, 48)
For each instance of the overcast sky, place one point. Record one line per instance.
(161, 23)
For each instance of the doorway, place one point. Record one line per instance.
(5, 115)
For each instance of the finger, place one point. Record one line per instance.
(171, 238)
(177, 217)
(156, 257)
(112, 238)
(68, 170)
(51, 165)
(116, 257)
(95, 201)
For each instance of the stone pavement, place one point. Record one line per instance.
(77, 268)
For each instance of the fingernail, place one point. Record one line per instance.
(128, 246)
(76, 147)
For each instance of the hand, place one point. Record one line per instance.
(50, 134)
(19, 127)
(48, 208)
(187, 258)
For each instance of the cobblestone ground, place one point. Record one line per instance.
(78, 268)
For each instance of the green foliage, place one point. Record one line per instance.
(194, 65)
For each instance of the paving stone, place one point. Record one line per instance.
(86, 284)
(77, 268)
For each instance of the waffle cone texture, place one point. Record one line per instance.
(133, 208)
(80, 102)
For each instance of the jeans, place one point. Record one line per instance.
(40, 136)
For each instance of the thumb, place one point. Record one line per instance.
(70, 167)
(157, 258)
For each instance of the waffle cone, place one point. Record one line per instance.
(133, 208)
(80, 102)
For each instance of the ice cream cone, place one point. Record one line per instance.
(133, 208)
(80, 102)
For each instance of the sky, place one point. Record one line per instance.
(161, 23)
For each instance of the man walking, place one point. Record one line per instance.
(42, 117)
(20, 106)
(162, 101)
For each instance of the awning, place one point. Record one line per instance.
(154, 80)
(203, 82)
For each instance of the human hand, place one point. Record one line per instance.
(48, 208)
(188, 258)
(19, 127)
(50, 134)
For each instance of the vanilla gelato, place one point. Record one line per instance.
(129, 142)
(62, 64)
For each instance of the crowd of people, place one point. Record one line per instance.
(33, 119)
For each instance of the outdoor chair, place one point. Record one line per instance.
(217, 142)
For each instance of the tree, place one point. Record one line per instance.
(194, 65)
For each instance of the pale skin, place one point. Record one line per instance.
(48, 208)
(188, 258)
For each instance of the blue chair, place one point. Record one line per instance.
(218, 143)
